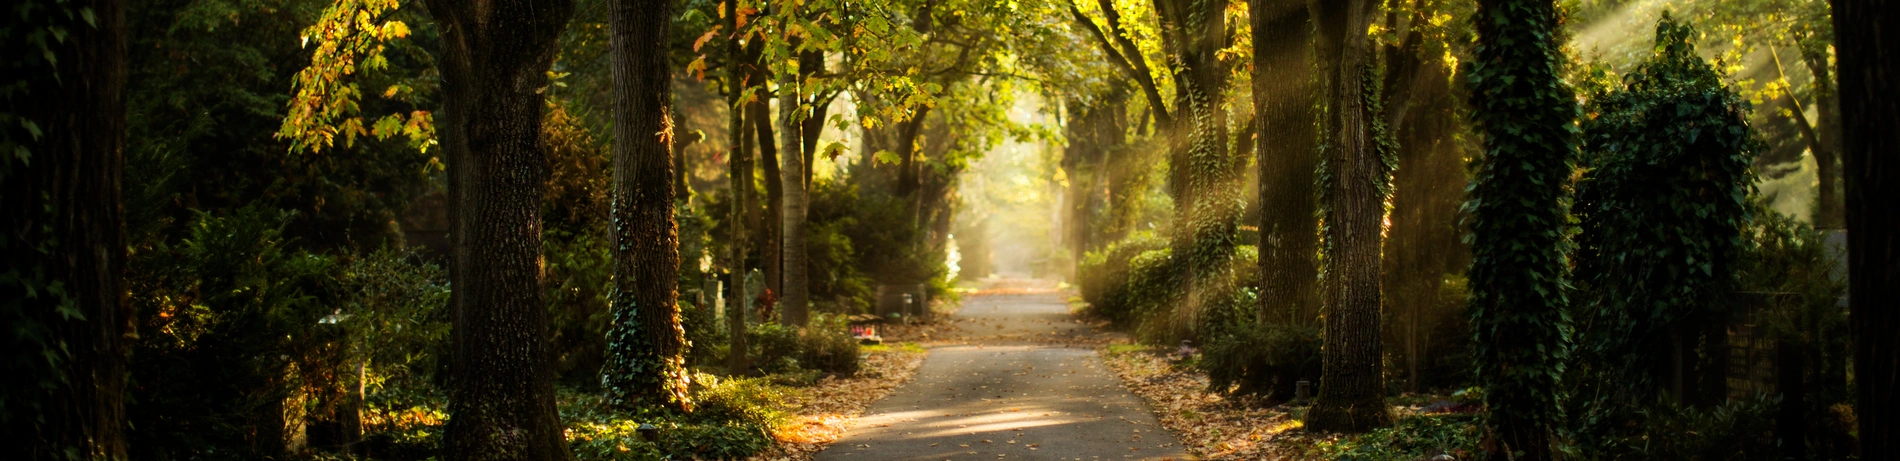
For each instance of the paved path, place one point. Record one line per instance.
(1012, 376)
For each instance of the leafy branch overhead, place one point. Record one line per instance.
(350, 40)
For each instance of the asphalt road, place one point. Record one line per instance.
(1011, 376)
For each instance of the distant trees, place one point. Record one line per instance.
(1868, 53)
(645, 366)
(1518, 216)
(62, 243)
(494, 62)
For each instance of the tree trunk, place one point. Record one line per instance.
(1868, 53)
(1207, 204)
(1827, 145)
(494, 60)
(793, 271)
(645, 365)
(812, 63)
(760, 112)
(1288, 152)
(63, 232)
(737, 175)
(1528, 116)
(1352, 391)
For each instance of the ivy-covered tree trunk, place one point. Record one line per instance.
(1207, 177)
(1352, 390)
(1518, 213)
(793, 283)
(1868, 53)
(1288, 152)
(494, 61)
(737, 173)
(646, 366)
(62, 234)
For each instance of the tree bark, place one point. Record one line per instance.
(1352, 391)
(793, 204)
(812, 63)
(62, 235)
(760, 113)
(494, 61)
(737, 174)
(1288, 152)
(1518, 213)
(1827, 144)
(1205, 176)
(646, 366)
(1868, 53)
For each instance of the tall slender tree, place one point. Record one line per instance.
(62, 243)
(1869, 58)
(793, 204)
(1288, 151)
(645, 363)
(494, 61)
(1518, 212)
(738, 175)
(1353, 190)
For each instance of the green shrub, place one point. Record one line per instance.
(1263, 360)
(774, 348)
(753, 401)
(829, 347)
(1738, 430)
(1150, 294)
(825, 346)
(1417, 437)
(1103, 275)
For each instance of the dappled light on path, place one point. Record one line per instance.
(1013, 377)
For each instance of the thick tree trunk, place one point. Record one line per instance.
(62, 235)
(793, 271)
(1205, 175)
(1288, 152)
(1868, 53)
(737, 176)
(1352, 390)
(646, 366)
(494, 62)
(1528, 117)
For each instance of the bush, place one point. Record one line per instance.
(734, 421)
(1264, 360)
(1417, 437)
(829, 347)
(1104, 275)
(1739, 430)
(826, 346)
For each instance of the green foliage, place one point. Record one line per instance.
(1665, 206)
(1518, 216)
(1262, 359)
(228, 330)
(1104, 275)
(734, 420)
(825, 345)
(1665, 198)
(1738, 430)
(1415, 437)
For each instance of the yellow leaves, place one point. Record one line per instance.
(827, 408)
(703, 38)
(324, 103)
(698, 67)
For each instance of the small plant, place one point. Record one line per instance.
(1417, 437)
